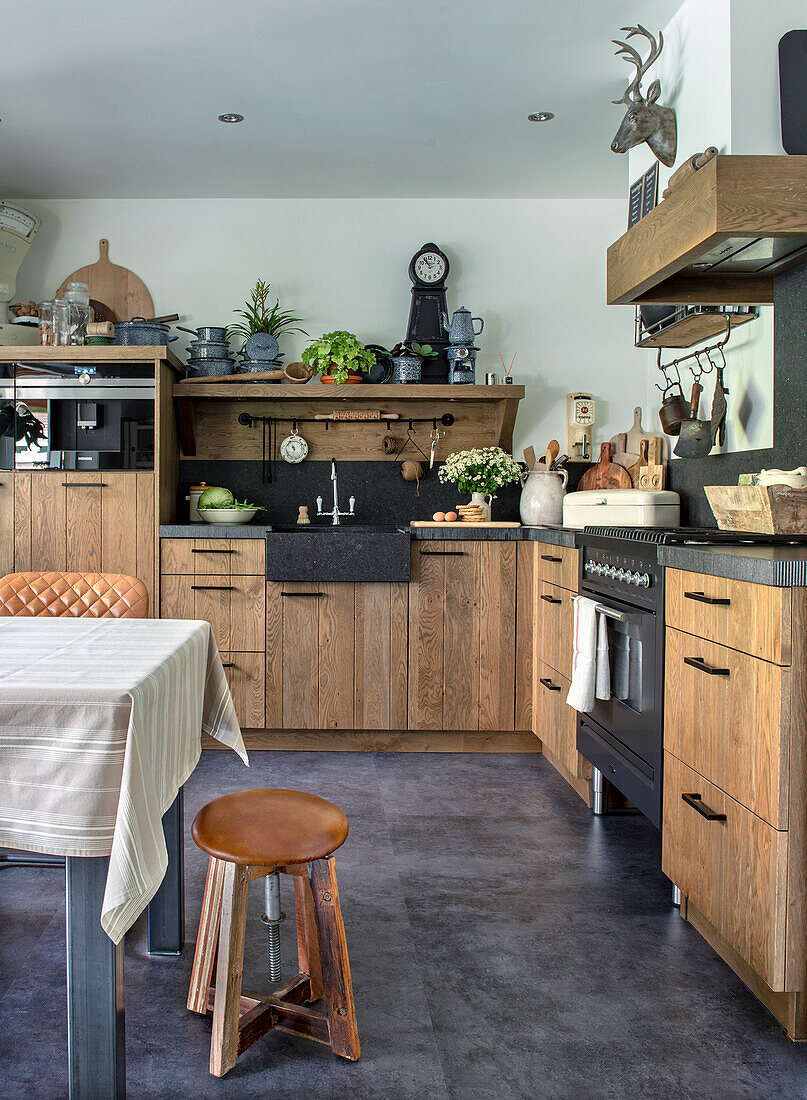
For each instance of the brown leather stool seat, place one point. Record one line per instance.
(270, 827)
(263, 834)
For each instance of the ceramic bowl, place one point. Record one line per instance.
(231, 517)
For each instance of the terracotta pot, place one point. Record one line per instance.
(353, 378)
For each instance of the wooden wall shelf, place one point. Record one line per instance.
(209, 429)
(719, 239)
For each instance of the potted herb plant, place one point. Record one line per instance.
(408, 360)
(259, 316)
(340, 356)
(480, 472)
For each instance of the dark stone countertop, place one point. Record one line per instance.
(778, 566)
(556, 536)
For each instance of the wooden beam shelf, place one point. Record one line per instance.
(208, 413)
(719, 239)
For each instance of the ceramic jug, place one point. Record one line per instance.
(461, 329)
(542, 498)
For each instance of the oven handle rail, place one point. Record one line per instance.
(609, 613)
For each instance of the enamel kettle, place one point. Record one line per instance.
(461, 329)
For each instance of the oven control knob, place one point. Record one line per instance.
(590, 565)
(611, 572)
(644, 580)
(596, 568)
(630, 577)
(620, 574)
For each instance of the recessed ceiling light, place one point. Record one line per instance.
(231, 118)
(541, 116)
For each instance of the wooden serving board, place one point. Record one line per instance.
(118, 288)
(460, 523)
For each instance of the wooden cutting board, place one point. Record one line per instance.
(274, 375)
(606, 474)
(637, 434)
(459, 523)
(117, 287)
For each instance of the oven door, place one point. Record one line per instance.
(631, 719)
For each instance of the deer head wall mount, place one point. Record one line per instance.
(645, 119)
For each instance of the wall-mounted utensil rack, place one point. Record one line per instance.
(659, 326)
(698, 372)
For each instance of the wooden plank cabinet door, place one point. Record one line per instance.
(48, 520)
(381, 656)
(6, 522)
(22, 480)
(245, 674)
(426, 620)
(336, 655)
(496, 611)
(460, 677)
(299, 657)
(83, 491)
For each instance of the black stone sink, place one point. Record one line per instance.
(378, 552)
(303, 528)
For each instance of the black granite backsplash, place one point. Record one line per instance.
(382, 495)
(687, 476)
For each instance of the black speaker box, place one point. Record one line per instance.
(793, 91)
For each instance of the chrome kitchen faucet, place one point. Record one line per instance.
(335, 510)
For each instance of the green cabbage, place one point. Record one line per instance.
(216, 497)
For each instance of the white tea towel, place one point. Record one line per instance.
(603, 678)
(584, 658)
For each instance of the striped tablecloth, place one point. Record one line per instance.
(100, 725)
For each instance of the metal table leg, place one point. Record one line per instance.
(95, 1015)
(166, 913)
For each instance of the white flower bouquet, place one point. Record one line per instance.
(480, 471)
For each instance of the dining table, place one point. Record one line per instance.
(101, 724)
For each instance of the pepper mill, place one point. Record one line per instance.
(302, 516)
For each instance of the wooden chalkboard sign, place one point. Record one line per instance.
(643, 195)
(635, 201)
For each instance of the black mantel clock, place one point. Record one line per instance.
(428, 271)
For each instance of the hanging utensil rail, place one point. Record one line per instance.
(677, 363)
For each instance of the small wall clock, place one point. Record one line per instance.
(428, 270)
(294, 448)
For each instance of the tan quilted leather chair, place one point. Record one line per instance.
(96, 595)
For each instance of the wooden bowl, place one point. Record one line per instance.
(298, 373)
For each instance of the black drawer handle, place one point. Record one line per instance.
(549, 557)
(303, 595)
(227, 664)
(442, 553)
(84, 484)
(701, 665)
(551, 599)
(213, 587)
(211, 551)
(548, 684)
(697, 803)
(715, 601)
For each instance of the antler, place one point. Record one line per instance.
(633, 57)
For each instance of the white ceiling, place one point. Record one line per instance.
(342, 98)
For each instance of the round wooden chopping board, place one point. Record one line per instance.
(118, 288)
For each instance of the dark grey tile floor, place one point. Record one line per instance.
(503, 944)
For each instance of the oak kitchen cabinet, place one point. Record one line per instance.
(336, 655)
(222, 581)
(99, 521)
(734, 832)
(553, 721)
(462, 635)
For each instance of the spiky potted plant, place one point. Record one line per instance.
(258, 316)
(340, 356)
(408, 359)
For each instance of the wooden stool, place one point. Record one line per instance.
(250, 835)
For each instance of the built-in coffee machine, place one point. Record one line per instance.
(63, 418)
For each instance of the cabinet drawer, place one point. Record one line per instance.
(555, 723)
(557, 564)
(733, 869)
(554, 622)
(727, 715)
(246, 675)
(215, 557)
(751, 618)
(234, 607)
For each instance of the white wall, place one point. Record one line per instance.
(534, 270)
